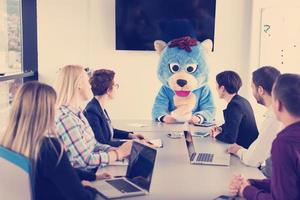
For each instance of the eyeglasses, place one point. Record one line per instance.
(116, 85)
(89, 71)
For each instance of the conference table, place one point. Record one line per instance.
(174, 177)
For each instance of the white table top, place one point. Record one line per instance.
(151, 126)
(175, 178)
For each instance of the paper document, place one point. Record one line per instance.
(157, 143)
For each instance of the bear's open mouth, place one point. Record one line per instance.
(182, 93)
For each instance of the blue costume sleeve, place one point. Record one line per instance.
(206, 107)
(161, 105)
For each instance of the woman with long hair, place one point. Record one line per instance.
(31, 132)
(74, 131)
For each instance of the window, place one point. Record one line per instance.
(10, 37)
(18, 49)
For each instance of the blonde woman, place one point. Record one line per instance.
(74, 131)
(30, 132)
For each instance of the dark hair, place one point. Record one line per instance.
(230, 80)
(101, 81)
(265, 77)
(287, 90)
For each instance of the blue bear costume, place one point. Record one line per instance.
(184, 74)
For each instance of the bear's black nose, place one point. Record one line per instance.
(181, 82)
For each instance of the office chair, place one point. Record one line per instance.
(15, 183)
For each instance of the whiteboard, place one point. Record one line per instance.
(280, 38)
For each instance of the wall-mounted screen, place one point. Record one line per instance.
(138, 22)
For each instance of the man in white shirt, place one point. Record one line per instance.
(262, 83)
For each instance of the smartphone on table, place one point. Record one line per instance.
(200, 134)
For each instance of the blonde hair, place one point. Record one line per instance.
(67, 82)
(31, 119)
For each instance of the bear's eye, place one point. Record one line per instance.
(174, 67)
(191, 68)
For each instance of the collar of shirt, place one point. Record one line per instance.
(269, 112)
(69, 109)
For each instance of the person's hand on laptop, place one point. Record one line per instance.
(124, 150)
(234, 148)
(87, 183)
(214, 131)
(102, 176)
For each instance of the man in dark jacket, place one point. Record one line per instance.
(240, 126)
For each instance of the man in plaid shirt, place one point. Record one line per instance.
(74, 131)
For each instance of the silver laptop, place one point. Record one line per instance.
(138, 176)
(204, 158)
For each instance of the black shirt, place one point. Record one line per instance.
(240, 126)
(100, 123)
(58, 180)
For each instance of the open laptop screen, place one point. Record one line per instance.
(189, 143)
(141, 164)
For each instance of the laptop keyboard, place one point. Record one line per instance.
(193, 156)
(205, 157)
(123, 186)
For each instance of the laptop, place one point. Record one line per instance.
(204, 158)
(138, 176)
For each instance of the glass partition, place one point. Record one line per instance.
(10, 37)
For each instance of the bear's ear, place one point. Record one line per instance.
(207, 45)
(159, 45)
